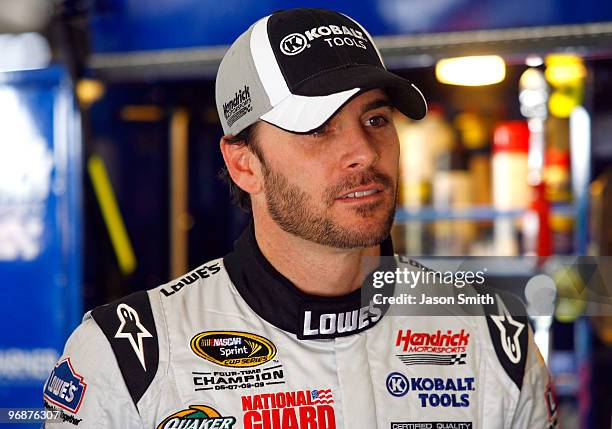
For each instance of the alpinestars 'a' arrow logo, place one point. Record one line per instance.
(133, 330)
(509, 330)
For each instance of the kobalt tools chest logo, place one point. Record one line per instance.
(303, 409)
(339, 35)
(238, 106)
(397, 384)
(438, 348)
(243, 379)
(321, 325)
(438, 392)
(131, 329)
(65, 388)
(293, 44)
(233, 349)
(197, 416)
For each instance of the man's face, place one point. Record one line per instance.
(336, 186)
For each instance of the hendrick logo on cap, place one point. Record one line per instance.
(238, 106)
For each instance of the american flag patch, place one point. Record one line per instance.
(323, 396)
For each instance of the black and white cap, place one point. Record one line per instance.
(296, 68)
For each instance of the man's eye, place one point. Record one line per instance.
(377, 121)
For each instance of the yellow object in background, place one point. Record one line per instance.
(566, 74)
(564, 69)
(111, 214)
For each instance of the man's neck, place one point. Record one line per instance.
(314, 268)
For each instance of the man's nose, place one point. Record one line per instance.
(359, 150)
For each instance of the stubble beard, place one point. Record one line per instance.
(293, 210)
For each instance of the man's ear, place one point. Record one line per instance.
(242, 165)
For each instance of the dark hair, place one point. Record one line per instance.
(246, 138)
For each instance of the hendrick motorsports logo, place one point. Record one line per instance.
(238, 106)
(233, 349)
(437, 389)
(438, 348)
(197, 416)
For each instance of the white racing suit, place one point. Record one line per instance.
(233, 344)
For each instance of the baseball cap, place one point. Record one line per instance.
(296, 68)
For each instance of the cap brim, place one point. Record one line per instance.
(301, 114)
(318, 99)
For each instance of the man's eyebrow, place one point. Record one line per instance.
(376, 104)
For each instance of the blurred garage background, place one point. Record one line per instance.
(109, 156)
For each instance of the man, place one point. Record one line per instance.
(276, 335)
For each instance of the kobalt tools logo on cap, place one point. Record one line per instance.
(340, 35)
(284, 410)
(293, 44)
(238, 106)
(233, 349)
(197, 416)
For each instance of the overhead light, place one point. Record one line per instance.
(471, 71)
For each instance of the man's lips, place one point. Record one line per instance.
(362, 192)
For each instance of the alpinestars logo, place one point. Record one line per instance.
(133, 330)
(238, 106)
(509, 331)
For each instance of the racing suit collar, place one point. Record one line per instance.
(278, 301)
